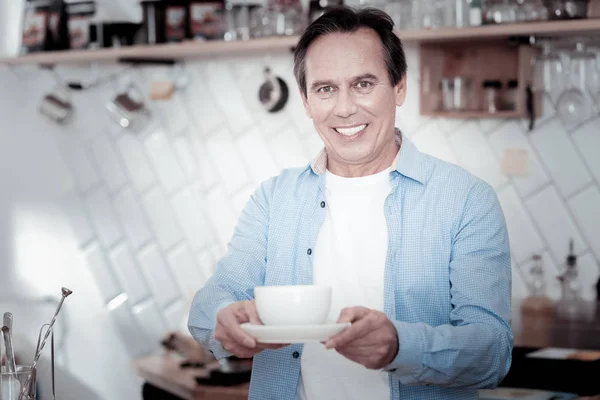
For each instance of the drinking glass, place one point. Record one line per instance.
(574, 106)
(549, 73)
(12, 383)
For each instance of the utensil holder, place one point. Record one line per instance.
(11, 383)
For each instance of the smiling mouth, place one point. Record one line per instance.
(350, 131)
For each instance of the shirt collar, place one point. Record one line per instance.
(408, 162)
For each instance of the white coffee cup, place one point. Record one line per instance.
(293, 304)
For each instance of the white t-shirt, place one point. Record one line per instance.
(350, 257)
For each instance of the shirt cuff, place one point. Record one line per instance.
(408, 362)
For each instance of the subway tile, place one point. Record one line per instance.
(167, 168)
(105, 279)
(227, 158)
(174, 113)
(450, 126)
(159, 277)
(136, 163)
(81, 164)
(489, 125)
(257, 156)
(560, 158)
(135, 340)
(432, 141)
(162, 219)
(287, 150)
(312, 146)
(204, 111)
(108, 163)
(548, 112)
(207, 261)
(585, 207)
(187, 206)
(182, 146)
(73, 207)
(221, 215)
(150, 319)
(176, 315)
(587, 139)
(187, 272)
(132, 217)
(103, 217)
(227, 95)
(208, 176)
(557, 227)
(524, 240)
(510, 136)
(129, 274)
(475, 155)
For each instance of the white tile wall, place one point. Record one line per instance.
(159, 277)
(475, 155)
(524, 239)
(561, 159)
(108, 163)
(162, 218)
(190, 216)
(187, 272)
(104, 218)
(555, 223)
(587, 139)
(231, 169)
(510, 136)
(160, 207)
(586, 207)
(101, 270)
(130, 274)
(130, 213)
(167, 168)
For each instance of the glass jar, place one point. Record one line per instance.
(491, 95)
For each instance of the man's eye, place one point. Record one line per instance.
(364, 85)
(325, 89)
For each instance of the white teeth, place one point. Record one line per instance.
(350, 131)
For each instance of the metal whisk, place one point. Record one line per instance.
(65, 293)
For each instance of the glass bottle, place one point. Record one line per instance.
(537, 302)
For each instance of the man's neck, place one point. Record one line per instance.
(380, 163)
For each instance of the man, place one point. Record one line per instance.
(415, 249)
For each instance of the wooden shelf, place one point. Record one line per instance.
(546, 28)
(193, 49)
(472, 114)
(189, 49)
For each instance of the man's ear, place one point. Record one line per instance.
(400, 91)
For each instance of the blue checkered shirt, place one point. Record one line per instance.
(447, 276)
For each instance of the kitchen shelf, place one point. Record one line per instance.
(472, 114)
(546, 28)
(193, 49)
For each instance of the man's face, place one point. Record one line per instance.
(350, 97)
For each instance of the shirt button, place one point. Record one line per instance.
(295, 354)
(393, 370)
(309, 252)
(322, 204)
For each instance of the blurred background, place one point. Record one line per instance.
(123, 174)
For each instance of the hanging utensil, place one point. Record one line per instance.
(273, 93)
(10, 354)
(65, 293)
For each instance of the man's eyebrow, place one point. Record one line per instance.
(317, 84)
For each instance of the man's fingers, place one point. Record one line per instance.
(358, 329)
(351, 314)
(251, 313)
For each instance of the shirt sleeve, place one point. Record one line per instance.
(474, 350)
(237, 273)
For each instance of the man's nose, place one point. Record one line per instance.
(345, 105)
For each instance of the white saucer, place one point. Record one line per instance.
(293, 334)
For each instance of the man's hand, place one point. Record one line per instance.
(372, 339)
(232, 337)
